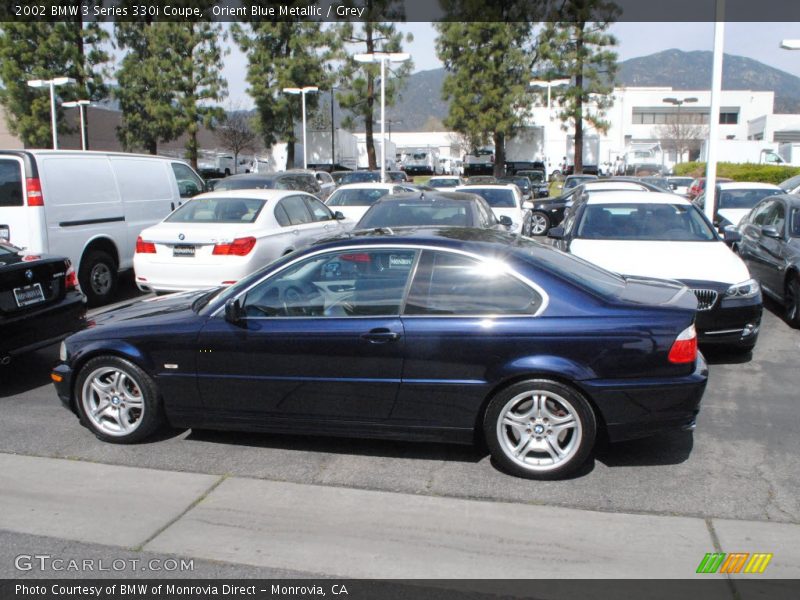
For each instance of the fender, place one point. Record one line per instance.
(542, 365)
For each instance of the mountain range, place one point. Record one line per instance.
(421, 107)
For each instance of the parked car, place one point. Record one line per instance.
(736, 199)
(445, 183)
(345, 177)
(680, 185)
(505, 200)
(218, 238)
(665, 236)
(40, 301)
(538, 179)
(432, 209)
(303, 181)
(658, 181)
(550, 212)
(398, 177)
(357, 337)
(791, 185)
(770, 247)
(326, 184)
(88, 206)
(575, 180)
(521, 181)
(353, 199)
(480, 180)
(698, 186)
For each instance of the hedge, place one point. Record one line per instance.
(739, 172)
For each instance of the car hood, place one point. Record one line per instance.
(151, 312)
(699, 261)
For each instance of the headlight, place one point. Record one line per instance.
(746, 289)
(62, 352)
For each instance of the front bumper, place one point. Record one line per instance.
(732, 323)
(633, 409)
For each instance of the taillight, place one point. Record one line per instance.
(359, 257)
(71, 278)
(684, 350)
(238, 247)
(33, 189)
(143, 247)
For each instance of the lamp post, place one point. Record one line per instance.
(303, 91)
(549, 84)
(52, 83)
(679, 103)
(383, 58)
(80, 104)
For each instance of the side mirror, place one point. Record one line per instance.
(338, 215)
(557, 233)
(731, 235)
(233, 312)
(506, 221)
(527, 205)
(770, 231)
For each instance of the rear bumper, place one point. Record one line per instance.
(43, 327)
(636, 409)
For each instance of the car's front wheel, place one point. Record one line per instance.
(540, 223)
(539, 429)
(792, 301)
(117, 400)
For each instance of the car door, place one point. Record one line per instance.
(302, 226)
(322, 216)
(320, 339)
(751, 248)
(463, 317)
(773, 250)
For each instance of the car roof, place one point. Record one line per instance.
(747, 185)
(430, 196)
(367, 185)
(258, 194)
(635, 197)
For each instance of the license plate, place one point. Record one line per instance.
(30, 294)
(183, 251)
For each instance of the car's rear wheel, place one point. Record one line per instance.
(539, 429)
(117, 400)
(540, 223)
(792, 301)
(98, 277)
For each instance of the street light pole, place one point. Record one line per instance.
(303, 91)
(80, 104)
(383, 58)
(548, 83)
(52, 83)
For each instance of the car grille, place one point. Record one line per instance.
(705, 298)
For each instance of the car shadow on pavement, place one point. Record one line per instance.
(720, 356)
(671, 448)
(337, 445)
(28, 372)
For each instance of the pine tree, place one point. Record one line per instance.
(580, 49)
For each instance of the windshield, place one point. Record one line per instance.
(495, 198)
(405, 214)
(356, 197)
(6, 249)
(440, 183)
(743, 198)
(244, 183)
(218, 210)
(644, 221)
(360, 177)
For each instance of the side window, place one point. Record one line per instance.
(281, 217)
(295, 208)
(777, 217)
(345, 283)
(10, 183)
(319, 212)
(486, 215)
(761, 212)
(189, 184)
(451, 284)
(310, 184)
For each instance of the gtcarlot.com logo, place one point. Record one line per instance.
(735, 562)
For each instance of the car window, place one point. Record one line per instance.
(643, 221)
(776, 217)
(308, 183)
(356, 196)
(794, 223)
(296, 211)
(244, 183)
(743, 198)
(189, 184)
(451, 284)
(346, 283)
(218, 210)
(485, 215)
(10, 183)
(761, 211)
(496, 198)
(416, 213)
(319, 212)
(281, 216)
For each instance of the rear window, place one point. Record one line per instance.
(439, 183)
(357, 197)
(406, 214)
(10, 183)
(360, 177)
(218, 210)
(246, 183)
(743, 198)
(495, 198)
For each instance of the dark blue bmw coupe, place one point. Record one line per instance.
(441, 335)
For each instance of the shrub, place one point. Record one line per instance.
(740, 172)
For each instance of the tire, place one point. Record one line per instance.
(98, 277)
(791, 301)
(108, 385)
(540, 223)
(519, 412)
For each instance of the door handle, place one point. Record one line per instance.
(380, 336)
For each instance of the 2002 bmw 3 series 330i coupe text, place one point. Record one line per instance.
(443, 334)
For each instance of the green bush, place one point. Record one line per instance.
(740, 172)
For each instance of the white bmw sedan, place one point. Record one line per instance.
(354, 199)
(217, 238)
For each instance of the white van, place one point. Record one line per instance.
(88, 206)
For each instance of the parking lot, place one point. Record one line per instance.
(738, 464)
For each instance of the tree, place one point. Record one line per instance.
(283, 54)
(235, 133)
(376, 33)
(682, 136)
(42, 51)
(578, 48)
(488, 70)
